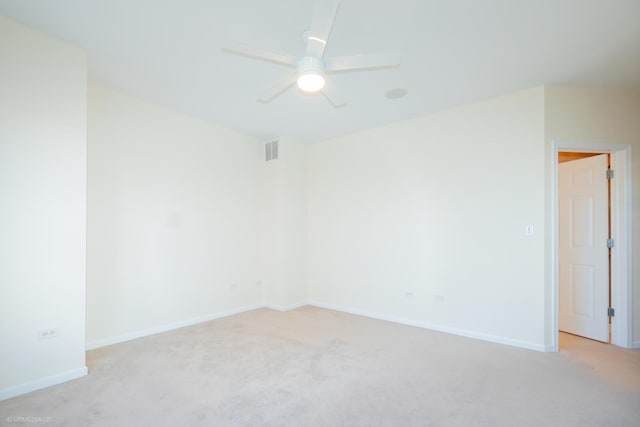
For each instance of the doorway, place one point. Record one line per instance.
(620, 264)
(584, 252)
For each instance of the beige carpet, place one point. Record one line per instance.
(316, 367)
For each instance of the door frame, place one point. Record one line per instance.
(621, 211)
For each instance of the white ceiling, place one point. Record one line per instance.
(453, 52)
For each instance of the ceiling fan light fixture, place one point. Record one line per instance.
(310, 74)
(310, 82)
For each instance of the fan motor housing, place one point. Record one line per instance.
(310, 65)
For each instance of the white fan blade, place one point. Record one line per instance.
(323, 16)
(256, 52)
(361, 62)
(277, 89)
(329, 93)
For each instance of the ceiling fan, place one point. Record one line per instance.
(312, 68)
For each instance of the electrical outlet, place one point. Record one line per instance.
(528, 230)
(44, 334)
(438, 298)
(408, 294)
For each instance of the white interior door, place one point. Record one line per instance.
(583, 253)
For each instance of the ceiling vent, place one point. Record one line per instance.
(271, 150)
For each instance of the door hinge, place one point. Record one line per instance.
(611, 312)
(610, 243)
(609, 173)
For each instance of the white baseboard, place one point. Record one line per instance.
(426, 325)
(436, 327)
(41, 383)
(635, 344)
(285, 307)
(91, 345)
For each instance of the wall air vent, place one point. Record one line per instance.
(271, 150)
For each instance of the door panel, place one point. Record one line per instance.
(583, 253)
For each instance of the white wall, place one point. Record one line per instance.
(598, 115)
(172, 219)
(283, 225)
(42, 209)
(423, 221)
